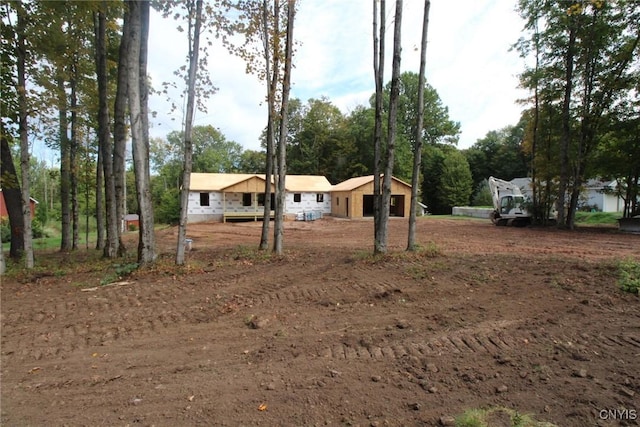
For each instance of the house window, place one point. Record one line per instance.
(337, 201)
(297, 197)
(204, 199)
(319, 197)
(261, 200)
(246, 199)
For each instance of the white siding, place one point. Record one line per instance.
(197, 213)
(308, 202)
(233, 203)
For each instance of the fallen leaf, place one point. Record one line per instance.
(262, 407)
(190, 398)
(36, 369)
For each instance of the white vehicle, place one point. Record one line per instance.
(508, 204)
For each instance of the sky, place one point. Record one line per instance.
(469, 63)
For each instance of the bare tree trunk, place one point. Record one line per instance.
(566, 128)
(391, 130)
(120, 136)
(136, 65)
(24, 140)
(110, 249)
(73, 157)
(272, 81)
(378, 71)
(194, 50)
(278, 245)
(12, 197)
(65, 168)
(100, 223)
(417, 150)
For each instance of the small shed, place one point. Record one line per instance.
(3, 206)
(131, 222)
(353, 198)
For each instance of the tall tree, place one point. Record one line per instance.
(110, 249)
(10, 184)
(417, 149)
(278, 232)
(23, 113)
(381, 246)
(195, 23)
(378, 73)
(137, 96)
(120, 133)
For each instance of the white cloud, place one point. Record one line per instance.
(468, 63)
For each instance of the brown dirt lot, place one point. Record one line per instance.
(523, 318)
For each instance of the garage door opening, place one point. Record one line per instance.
(396, 209)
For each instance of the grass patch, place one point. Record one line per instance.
(629, 275)
(454, 217)
(597, 218)
(250, 254)
(497, 416)
(430, 250)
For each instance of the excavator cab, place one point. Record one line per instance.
(511, 205)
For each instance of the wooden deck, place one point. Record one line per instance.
(256, 215)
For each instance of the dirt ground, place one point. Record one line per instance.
(522, 318)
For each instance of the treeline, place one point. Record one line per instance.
(74, 76)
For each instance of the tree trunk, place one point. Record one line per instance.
(73, 156)
(24, 140)
(136, 65)
(378, 71)
(391, 131)
(278, 238)
(65, 168)
(110, 249)
(12, 197)
(272, 81)
(100, 223)
(417, 150)
(194, 50)
(120, 136)
(566, 128)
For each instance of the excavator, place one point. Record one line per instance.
(508, 204)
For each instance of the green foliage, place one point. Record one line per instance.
(495, 416)
(629, 275)
(120, 271)
(168, 209)
(5, 230)
(500, 154)
(456, 181)
(482, 196)
(597, 218)
(447, 179)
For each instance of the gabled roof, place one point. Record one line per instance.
(30, 198)
(293, 183)
(307, 183)
(359, 181)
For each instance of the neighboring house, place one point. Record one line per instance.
(353, 198)
(597, 194)
(600, 196)
(222, 196)
(3, 207)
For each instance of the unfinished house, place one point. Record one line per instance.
(353, 198)
(225, 196)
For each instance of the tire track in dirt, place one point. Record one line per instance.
(116, 313)
(465, 342)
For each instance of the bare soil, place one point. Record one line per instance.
(527, 319)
